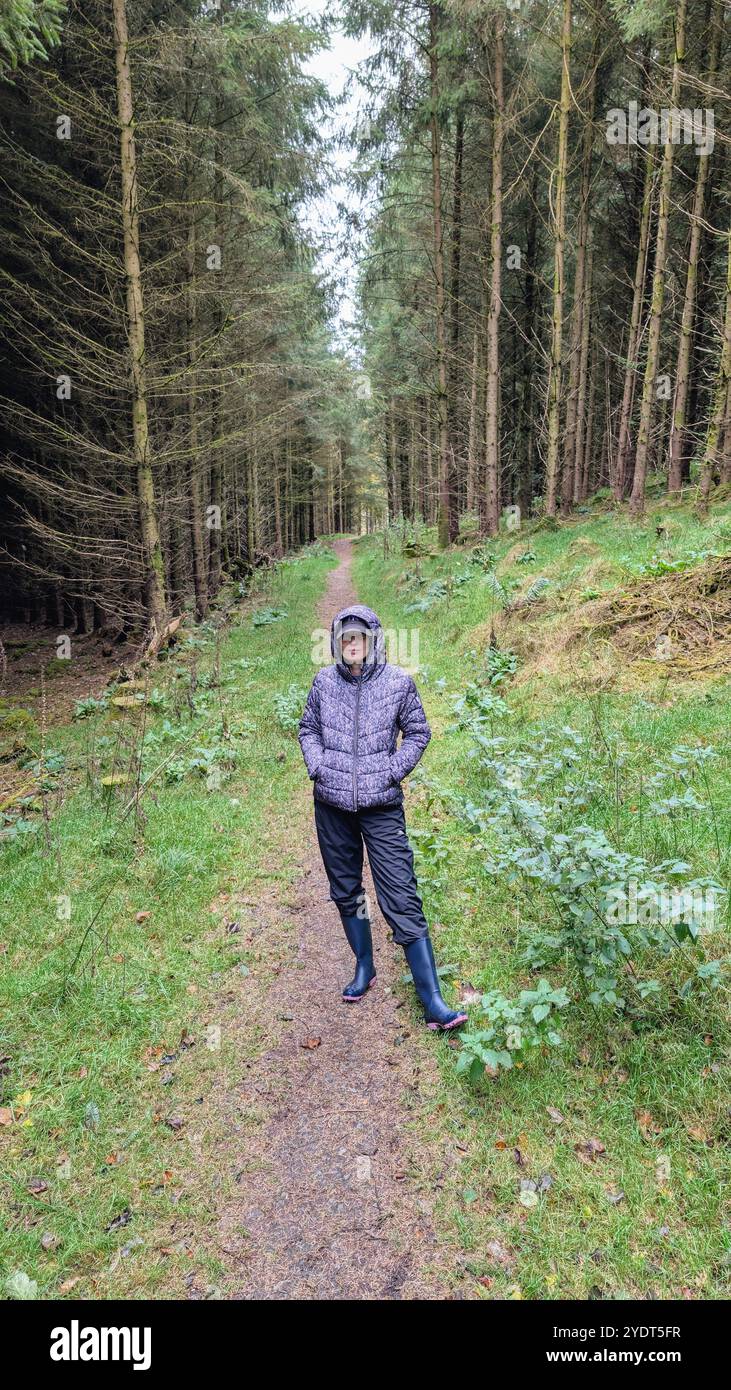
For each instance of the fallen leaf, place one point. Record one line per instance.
(20, 1286)
(590, 1150)
(498, 1253)
(123, 1219)
(647, 1125)
(662, 1169)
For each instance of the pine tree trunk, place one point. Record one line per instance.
(278, 544)
(526, 483)
(554, 389)
(454, 404)
(216, 532)
(472, 438)
(577, 445)
(200, 583)
(726, 440)
(588, 433)
(630, 373)
(718, 424)
(682, 373)
(492, 402)
(579, 309)
(447, 529)
(637, 500)
(154, 573)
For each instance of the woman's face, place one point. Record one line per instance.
(354, 648)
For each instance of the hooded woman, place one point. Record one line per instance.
(348, 734)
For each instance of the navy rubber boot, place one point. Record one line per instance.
(420, 955)
(358, 932)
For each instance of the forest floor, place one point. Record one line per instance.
(188, 1109)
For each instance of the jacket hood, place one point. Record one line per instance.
(376, 658)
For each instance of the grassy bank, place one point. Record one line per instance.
(124, 918)
(597, 1167)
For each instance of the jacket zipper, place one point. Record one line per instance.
(355, 747)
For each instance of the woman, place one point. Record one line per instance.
(348, 735)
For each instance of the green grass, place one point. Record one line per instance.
(652, 1087)
(93, 1036)
(90, 1161)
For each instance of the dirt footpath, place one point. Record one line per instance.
(333, 1191)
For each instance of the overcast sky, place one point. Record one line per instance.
(334, 66)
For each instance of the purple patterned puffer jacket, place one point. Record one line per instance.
(350, 725)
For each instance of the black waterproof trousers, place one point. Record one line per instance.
(382, 829)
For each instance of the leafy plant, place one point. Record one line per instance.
(536, 590)
(431, 853)
(476, 707)
(84, 708)
(512, 1029)
(437, 589)
(501, 665)
(289, 705)
(262, 616)
(658, 565)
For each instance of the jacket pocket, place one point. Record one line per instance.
(321, 767)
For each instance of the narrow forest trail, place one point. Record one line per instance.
(331, 1204)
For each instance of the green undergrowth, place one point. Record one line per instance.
(151, 826)
(587, 1101)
